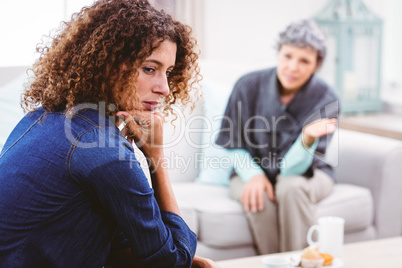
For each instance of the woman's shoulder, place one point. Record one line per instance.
(93, 134)
(85, 121)
(98, 146)
(253, 81)
(257, 75)
(318, 85)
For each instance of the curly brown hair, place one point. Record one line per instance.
(83, 63)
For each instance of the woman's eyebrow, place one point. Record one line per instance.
(154, 61)
(157, 62)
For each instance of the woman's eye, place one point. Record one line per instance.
(148, 70)
(168, 73)
(305, 61)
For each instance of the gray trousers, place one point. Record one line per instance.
(282, 225)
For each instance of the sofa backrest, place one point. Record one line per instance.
(361, 159)
(181, 144)
(11, 88)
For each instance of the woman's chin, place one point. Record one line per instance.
(289, 89)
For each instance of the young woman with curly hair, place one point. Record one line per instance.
(73, 194)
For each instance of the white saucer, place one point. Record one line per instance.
(336, 262)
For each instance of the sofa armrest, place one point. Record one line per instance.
(375, 163)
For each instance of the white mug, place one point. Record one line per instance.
(330, 235)
(275, 262)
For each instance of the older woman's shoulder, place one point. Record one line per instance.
(255, 79)
(320, 85)
(258, 75)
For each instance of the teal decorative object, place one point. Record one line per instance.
(353, 63)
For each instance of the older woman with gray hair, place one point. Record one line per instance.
(283, 118)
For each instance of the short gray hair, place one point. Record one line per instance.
(305, 33)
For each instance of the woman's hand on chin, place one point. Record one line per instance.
(146, 130)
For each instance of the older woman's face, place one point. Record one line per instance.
(295, 66)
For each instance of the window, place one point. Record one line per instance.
(24, 23)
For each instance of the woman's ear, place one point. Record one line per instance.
(318, 64)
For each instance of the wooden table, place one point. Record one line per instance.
(384, 253)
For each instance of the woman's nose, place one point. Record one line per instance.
(293, 65)
(162, 86)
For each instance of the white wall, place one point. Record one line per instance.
(245, 31)
(23, 23)
(233, 31)
(392, 46)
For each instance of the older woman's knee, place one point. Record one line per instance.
(289, 188)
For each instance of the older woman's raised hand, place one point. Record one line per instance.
(318, 129)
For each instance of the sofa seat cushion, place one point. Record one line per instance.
(216, 218)
(351, 202)
(213, 215)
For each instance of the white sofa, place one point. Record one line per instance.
(368, 197)
(368, 168)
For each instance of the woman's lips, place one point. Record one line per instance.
(291, 78)
(150, 105)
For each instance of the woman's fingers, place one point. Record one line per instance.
(143, 127)
(252, 197)
(320, 127)
(260, 200)
(270, 191)
(245, 199)
(253, 200)
(146, 130)
(130, 127)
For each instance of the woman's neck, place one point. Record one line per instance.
(286, 95)
(286, 99)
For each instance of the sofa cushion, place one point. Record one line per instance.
(216, 216)
(351, 202)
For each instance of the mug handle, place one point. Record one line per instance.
(310, 234)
